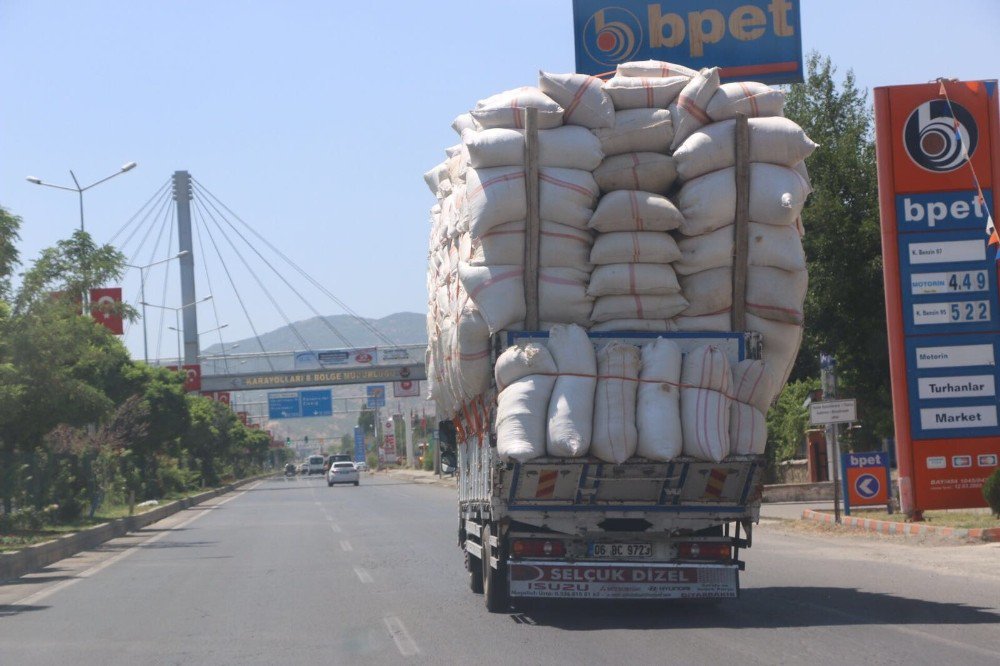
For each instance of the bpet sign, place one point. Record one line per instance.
(938, 169)
(750, 40)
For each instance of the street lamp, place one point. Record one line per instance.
(177, 320)
(80, 190)
(142, 296)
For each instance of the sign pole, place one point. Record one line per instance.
(829, 381)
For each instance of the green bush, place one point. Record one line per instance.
(991, 491)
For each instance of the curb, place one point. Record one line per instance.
(32, 558)
(450, 482)
(986, 534)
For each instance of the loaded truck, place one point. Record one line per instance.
(580, 528)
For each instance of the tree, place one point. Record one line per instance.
(845, 306)
(9, 226)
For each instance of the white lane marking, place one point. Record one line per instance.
(404, 642)
(346, 546)
(97, 568)
(335, 528)
(363, 575)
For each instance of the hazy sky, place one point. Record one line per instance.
(314, 122)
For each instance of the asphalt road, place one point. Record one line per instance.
(295, 572)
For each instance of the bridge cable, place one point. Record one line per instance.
(239, 298)
(257, 279)
(163, 213)
(280, 275)
(361, 320)
(157, 194)
(208, 278)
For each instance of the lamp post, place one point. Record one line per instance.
(80, 190)
(201, 333)
(142, 297)
(177, 320)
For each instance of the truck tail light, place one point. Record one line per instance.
(697, 550)
(538, 548)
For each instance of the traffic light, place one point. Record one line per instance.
(288, 441)
(307, 439)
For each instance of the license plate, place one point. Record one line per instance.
(612, 550)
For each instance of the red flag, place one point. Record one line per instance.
(104, 307)
(192, 376)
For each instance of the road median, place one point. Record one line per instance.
(986, 534)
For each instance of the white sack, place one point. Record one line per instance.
(691, 104)
(520, 420)
(653, 68)
(658, 325)
(607, 308)
(463, 122)
(521, 360)
(562, 296)
(777, 195)
(636, 247)
(754, 99)
(497, 291)
(747, 430)
(705, 251)
(506, 109)
(636, 130)
(781, 348)
(614, 279)
(708, 292)
(644, 93)
(707, 367)
(582, 98)
(658, 416)
(705, 423)
(566, 196)
(568, 146)
(649, 172)
(778, 247)
(776, 294)
(632, 210)
(721, 322)
(615, 437)
(752, 384)
(472, 351)
(772, 140)
(559, 245)
(435, 176)
(571, 407)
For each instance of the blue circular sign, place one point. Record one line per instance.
(867, 486)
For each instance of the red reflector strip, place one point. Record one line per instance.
(704, 551)
(546, 484)
(537, 548)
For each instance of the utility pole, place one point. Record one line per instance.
(828, 374)
(182, 195)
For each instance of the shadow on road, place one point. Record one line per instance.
(111, 548)
(7, 610)
(35, 579)
(769, 608)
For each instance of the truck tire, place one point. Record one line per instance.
(496, 592)
(474, 566)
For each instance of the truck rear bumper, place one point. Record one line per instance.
(622, 580)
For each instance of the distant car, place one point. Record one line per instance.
(303, 468)
(361, 466)
(290, 469)
(343, 472)
(315, 465)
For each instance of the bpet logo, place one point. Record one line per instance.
(938, 141)
(612, 35)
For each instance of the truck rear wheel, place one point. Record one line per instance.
(474, 566)
(496, 592)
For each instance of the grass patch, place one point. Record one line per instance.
(18, 539)
(951, 518)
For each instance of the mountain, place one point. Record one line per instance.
(403, 328)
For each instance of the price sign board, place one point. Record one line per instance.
(938, 171)
(829, 412)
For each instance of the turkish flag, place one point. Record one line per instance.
(104, 307)
(405, 388)
(242, 416)
(192, 376)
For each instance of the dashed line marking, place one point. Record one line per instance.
(346, 546)
(363, 575)
(400, 636)
(336, 528)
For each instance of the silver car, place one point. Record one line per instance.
(343, 472)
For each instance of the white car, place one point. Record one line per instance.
(343, 472)
(361, 466)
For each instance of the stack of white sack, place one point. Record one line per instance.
(634, 282)
(525, 376)
(747, 414)
(571, 408)
(615, 437)
(706, 382)
(495, 203)
(776, 272)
